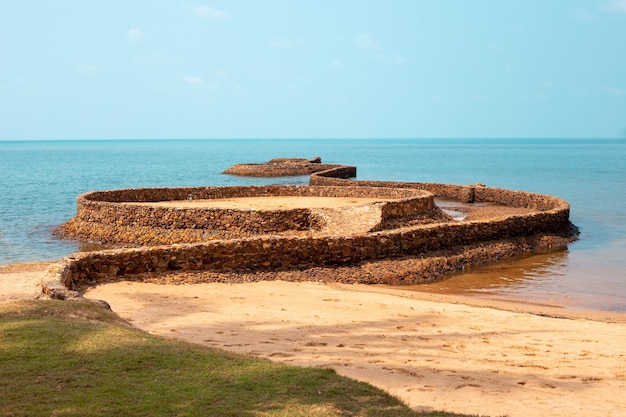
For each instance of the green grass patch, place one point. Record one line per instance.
(60, 358)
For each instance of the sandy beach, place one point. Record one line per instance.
(434, 351)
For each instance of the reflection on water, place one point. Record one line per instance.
(564, 278)
(505, 276)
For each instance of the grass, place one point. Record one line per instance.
(60, 358)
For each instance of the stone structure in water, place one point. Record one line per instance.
(401, 223)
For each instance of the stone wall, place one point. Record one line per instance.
(273, 252)
(109, 216)
(444, 191)
(282, 169)
(465, 193)
(342, 171)
(270, 253)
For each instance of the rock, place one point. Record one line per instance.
(100, 303)
(283, 167)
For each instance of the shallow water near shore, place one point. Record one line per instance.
(41, 179)
(552, 279)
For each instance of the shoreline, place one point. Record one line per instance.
(460, 354)
(510, 305)
(432, 354)
(28, 273)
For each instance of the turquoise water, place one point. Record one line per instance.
(40, 180)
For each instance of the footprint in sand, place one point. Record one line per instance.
(467, 386)
(591, 379)
(331, 365)
(404, 372)
(316, 344)
(427, 388)
(281, 355)
(541, 385)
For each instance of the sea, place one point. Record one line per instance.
(40, 180)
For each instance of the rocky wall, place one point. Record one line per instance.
(342, 171)
(115, 217)
(280, 253)
(216, 220)
(465, 193)
(444, 191)
(271, 253)
(278, 169)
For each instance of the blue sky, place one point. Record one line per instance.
(312, 69)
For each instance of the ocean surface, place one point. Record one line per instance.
(39, 182)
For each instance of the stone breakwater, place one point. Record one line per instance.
(415, 253)
(289, 167)
(109, 216)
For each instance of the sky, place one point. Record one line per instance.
(117, 69)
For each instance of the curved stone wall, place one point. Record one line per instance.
(465, 193)
(266, 253)
(115, 216)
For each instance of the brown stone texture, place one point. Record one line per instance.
(107, 216)
(287, 167)
(411, 250)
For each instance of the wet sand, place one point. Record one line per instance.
(551, 279)
(434, 351)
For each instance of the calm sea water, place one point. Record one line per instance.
(40, 180)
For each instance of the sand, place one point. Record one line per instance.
(21, 281)
(264, 203)
(433, 351)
